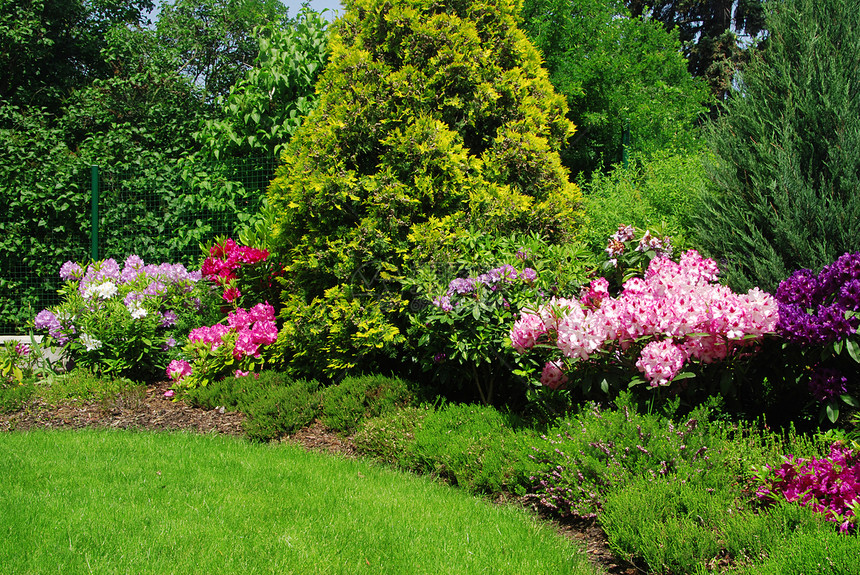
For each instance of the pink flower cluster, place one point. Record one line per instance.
(223, 261)
(830, 486)
(252, 328)
(678, 306)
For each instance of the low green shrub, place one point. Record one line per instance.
(823, 552)
(282, 410)
(354, 399)
(582, 458)
(476, 447)
(83, 384)
(389, 437)
(274, 404)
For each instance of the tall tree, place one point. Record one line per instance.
(214, 39)
(713, 33)
(788, 148)
(50, 47)
(620, 74)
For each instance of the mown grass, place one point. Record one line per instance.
(134, 502)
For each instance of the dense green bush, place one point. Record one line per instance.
(432, 117)
(274, 404)
(354, 399)
(787, 149)
(661, 194)
(624, 77)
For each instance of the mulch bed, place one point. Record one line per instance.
(149, 410)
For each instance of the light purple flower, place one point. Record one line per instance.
(71, 271)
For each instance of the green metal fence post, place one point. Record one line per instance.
(94, 236)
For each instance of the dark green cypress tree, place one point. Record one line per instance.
(787, 166)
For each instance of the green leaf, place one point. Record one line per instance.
(853, 349)
(684, 375)
(832, 410)
(604, 386)
(850, 400)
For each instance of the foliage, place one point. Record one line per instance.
(623, 77)
(213, 40)
(675, 315)
(338, 333)
(122, 321)
(713, 33)
(787, 165)
(240, 346)
(475, 447)
(264, 109)
(583, 458)
(354, 399)
(51, 47)
(660, 193)
(428, 113)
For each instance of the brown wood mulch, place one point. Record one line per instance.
(149, 410)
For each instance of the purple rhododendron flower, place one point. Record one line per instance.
(71, 271)
(827, 383)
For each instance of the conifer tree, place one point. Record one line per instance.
(433, 117)
(787, 174)
(428, 111)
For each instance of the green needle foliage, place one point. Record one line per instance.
(788, 149)
(433, 117)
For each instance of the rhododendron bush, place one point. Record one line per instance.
(127, 319)
(245, 274)
(676, 314)
(819, 316)
(236, 347)
(830, 485)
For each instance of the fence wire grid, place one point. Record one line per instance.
(161, 213)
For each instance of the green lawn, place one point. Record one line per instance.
(124, 502)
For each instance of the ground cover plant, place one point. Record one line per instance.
(198, 504)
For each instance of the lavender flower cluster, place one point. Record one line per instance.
(505, 274)
(816, 309)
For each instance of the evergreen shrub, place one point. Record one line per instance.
(432, 117)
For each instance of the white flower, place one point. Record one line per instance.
(105, 290)
(90, 342)
(136, 310)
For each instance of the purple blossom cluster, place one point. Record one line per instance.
(816, 309)
(506, 274)
(830, 486)
(622, 241)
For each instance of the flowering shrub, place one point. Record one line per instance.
(241, 271)
(819, 315)
(830, 486)
(16, 362)
(462, 332)
(123, 320)
(674, 315)
(629, 251)
(234, 348)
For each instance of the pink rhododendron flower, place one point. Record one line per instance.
(661, 361)
(178, 369)
(553, 376)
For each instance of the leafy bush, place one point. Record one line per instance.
(430, 117)
(14, 396)
(240, 346)
(387, 438)
(461, 309)
(675, 315)
(661, 194)
(819, 317)
(123, 321)
(355, 399)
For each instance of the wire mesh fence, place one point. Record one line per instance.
(161, 213)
